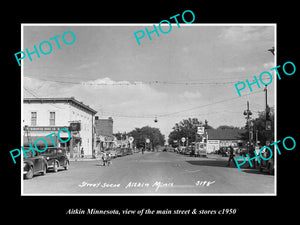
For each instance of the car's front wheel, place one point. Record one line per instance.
(29, 174)
(66, 165)
(55, 167)
(44, 170)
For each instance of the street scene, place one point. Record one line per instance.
(183, 114)
(166, 173)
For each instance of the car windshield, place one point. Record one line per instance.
(29, 154)
(53, 151)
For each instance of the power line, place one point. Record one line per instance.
(209, 104)
(35, 95)
(167, 114)
(155, 82)
(186, 110)
(30, 92)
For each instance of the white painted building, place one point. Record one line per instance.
(42, 116)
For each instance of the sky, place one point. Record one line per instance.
(189, 72)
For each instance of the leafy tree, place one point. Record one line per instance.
(120, 135)
(141, 134)
(186, 128)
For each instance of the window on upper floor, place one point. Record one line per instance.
(52, 119)
(33, 118)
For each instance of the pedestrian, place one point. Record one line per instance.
(104, 158)
(109, 158)
(252, 154)
(231, 155)
(82, 153)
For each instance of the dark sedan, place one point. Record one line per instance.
(34, 165)
(119, 152)
(56, 158)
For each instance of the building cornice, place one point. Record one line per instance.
(71, 101)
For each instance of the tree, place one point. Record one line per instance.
(186, 128)
(120, 135)
(141, 134)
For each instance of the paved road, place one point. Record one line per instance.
(152, 173)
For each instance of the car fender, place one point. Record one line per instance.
(57, 161)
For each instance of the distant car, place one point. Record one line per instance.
(130, 151)
(113, 153)
(56, 158)
(223, 151)
(119, 152)
(188, 151)
(243, 151)
(127, 151)
(34, 165)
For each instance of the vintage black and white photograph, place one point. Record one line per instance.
(148, 109)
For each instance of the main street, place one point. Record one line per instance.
(152, 173)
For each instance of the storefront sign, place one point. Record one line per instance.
(200, 130)
(227, 143)
(75, 127)
(44, 128)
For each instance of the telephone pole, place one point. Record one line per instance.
(248, 113)
(268, 121)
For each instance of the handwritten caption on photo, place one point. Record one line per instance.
(155, 186)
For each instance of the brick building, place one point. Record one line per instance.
(104, 133)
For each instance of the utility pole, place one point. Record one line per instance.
(248, 113)
(268, 122)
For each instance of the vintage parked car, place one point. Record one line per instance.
(243, 151)
(34, 165)
(223, 151)
(113, 153)
(127, 151)
(56, 158)
(119, 152)
(189, 151)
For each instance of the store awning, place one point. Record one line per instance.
(33, 139)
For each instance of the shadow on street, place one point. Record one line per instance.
(223, 163)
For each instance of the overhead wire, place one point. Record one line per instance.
(154, 82)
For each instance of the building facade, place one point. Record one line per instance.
(42, 116)
(217, 138)
(104, 133)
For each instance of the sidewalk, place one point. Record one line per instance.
(87, 158)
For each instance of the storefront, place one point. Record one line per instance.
(218, 138)
(49, 134)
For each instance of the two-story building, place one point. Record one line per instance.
(42, 116)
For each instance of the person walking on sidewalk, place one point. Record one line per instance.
(82, 153)
(231, 155)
